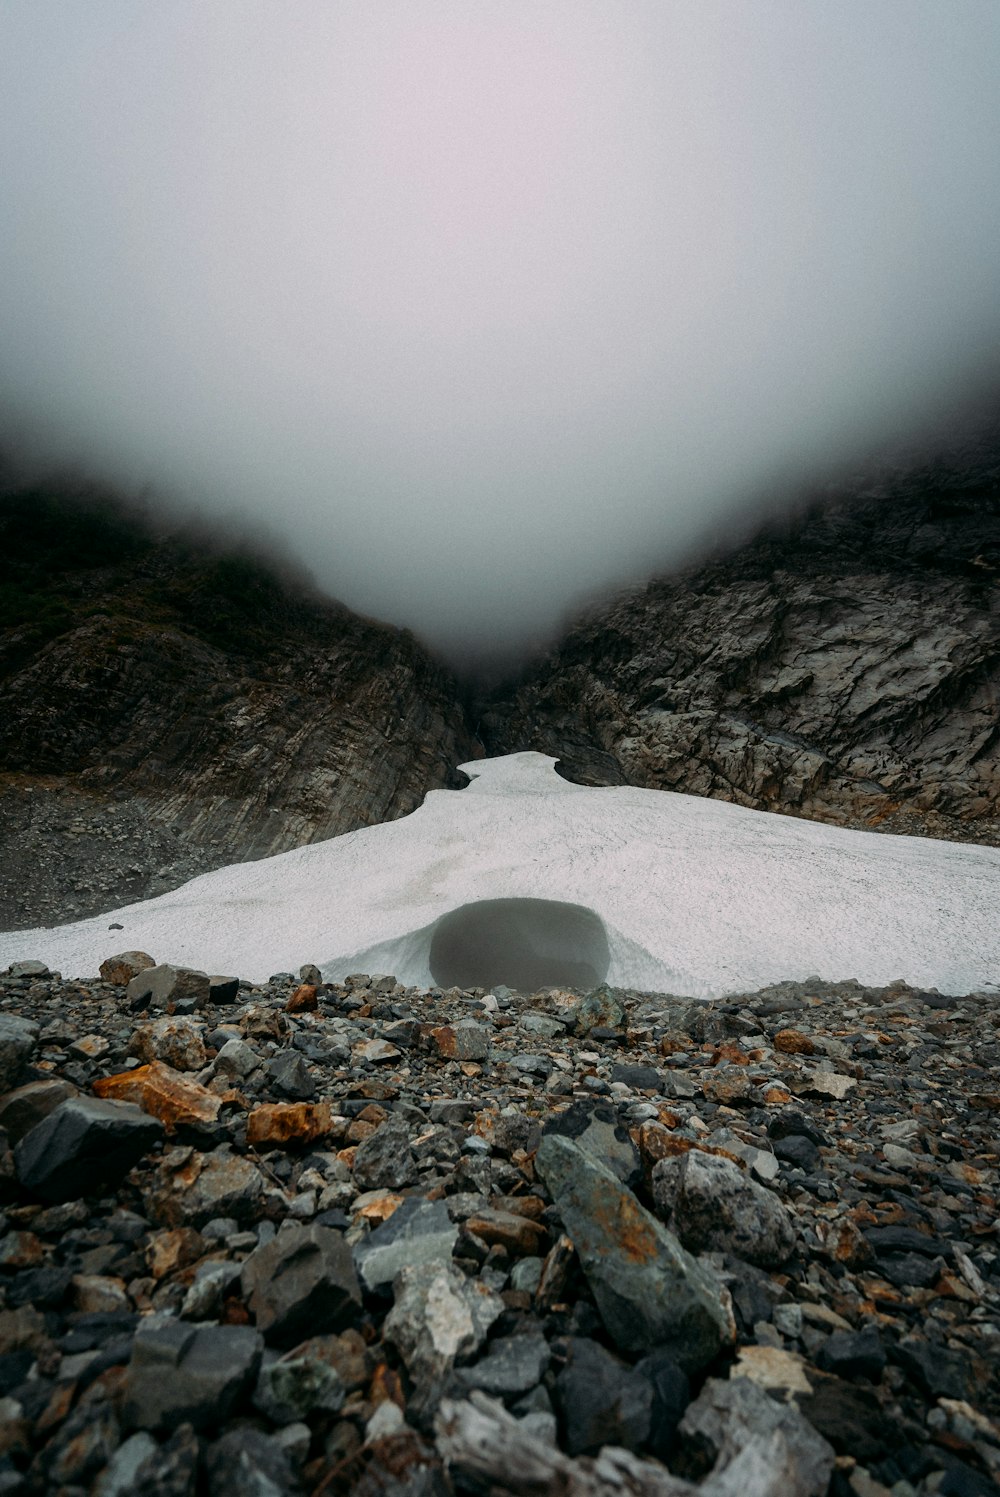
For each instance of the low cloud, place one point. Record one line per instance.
(485, 309)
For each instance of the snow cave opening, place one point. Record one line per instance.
(524, 943)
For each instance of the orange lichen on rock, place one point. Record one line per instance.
(303, 1000)
(793, 1042)
(162, 1092)
(280, 1125)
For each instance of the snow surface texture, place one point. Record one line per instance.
(695, 896)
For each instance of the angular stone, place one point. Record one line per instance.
(23, 1108)
(829, 1084)
(518, 1234)
(671, 1396)
(303, 1000)
(90, 1047)
(465, 1040)
(157, 987)
(291, 1077)
(759, 1447)
(122, 968)
(793, 1042)
(639, 1078)
(851, 1354)
(283, 1125)
(513, 1364)
(374, 1053)
(18, 1038)
(299, 1282)
(189, 1374)
(27, 969)
(596, 1128)
(384, 1161)
(84, 1146)
(649, 1291)
(714, 1206)
(600, 1009)
(603, 1401)
(246, 1463)
(419, 1231)
(176, 1041)
(438, 1316)
(223, 990)
(162, 1093)
(190, 1189)
(295, 1387)
(237, 1059)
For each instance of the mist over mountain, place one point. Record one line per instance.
(485, 311)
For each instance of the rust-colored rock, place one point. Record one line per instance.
(173, 1248)
(303, 1000)
(122, 968)
(726, 1087)
(730, 1051)
(163, 1093)
(176, 1041)
(285, 1125)
(518, 1234)
(794, 1042)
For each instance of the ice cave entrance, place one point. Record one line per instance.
(524, 943)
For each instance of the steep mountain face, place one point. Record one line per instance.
(847, 669)
(167, 707)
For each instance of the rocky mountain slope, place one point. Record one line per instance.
(845, 667)
(168, 706)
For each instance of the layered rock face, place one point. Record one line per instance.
(847, 669)
(167, 708)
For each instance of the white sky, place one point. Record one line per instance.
(481, 307)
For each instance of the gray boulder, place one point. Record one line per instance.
(301, 1283)
(649, 1290)
(181, 1373)
(18, 1038)
(84, 1146)
(157, 987)
(714, 1206)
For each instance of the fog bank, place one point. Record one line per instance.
(484, 308)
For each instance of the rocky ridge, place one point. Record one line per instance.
(312, 1238)
(168, 706)
(844, 666)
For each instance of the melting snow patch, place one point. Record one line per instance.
(528, 875)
